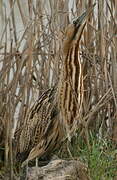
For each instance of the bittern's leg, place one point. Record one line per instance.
(27, 170)
(24, 171)
(68, 144)
(36, 161)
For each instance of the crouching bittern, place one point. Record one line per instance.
(42, 131)
(56, 111)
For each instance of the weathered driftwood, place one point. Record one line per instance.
(59, 170)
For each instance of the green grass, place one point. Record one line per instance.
(101, 158)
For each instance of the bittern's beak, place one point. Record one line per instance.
(80, 20)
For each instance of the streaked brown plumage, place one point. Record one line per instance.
(42, 131)
(45, 127)
(71, 86)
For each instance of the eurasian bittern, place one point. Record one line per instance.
(71, 86)
(44, 129)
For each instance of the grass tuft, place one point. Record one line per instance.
(101, 158)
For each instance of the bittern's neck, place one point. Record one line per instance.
(73, 37)
(72, 60)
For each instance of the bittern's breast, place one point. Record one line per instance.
(69, 86)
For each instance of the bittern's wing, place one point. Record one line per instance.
(50, 138)
(39, 126)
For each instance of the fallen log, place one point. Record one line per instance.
(59, 170)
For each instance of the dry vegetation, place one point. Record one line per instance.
(31, 62)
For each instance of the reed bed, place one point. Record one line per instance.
(31, 60)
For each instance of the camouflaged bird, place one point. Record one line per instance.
(42, 132)
(55, 115)
(71, 86)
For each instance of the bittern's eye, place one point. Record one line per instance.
(76, 21)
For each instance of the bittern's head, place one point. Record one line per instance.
(78, 25)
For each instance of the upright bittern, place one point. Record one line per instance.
(71, 86)
(56, 111)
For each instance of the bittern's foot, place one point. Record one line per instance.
(68, 149)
